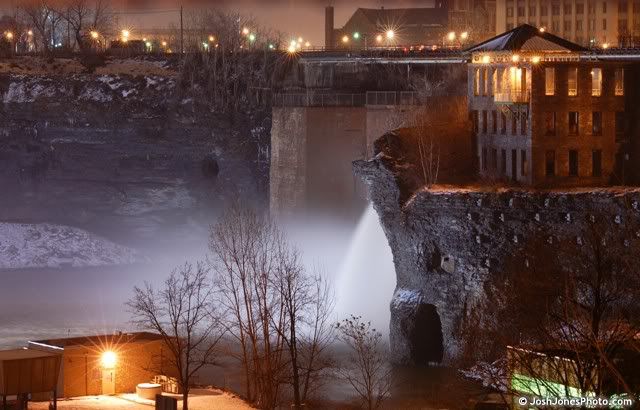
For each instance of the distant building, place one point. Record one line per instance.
(585, 22)
(108, 364)
(546, 113)
(428, 26)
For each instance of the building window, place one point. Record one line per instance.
(619, 81)
(475, 118)
(604, 24)
(555, 26)
(509, 11)
(596, 82)
(523, 163)
(476, 82)
(620, 125)
(596, 123)
(578, 25)
(550, 81)
(604, 7)
(579, 8)
(494, 159)
(555, 9)
(543, 11)
(484, 158)
(574, 126)
(572, 81)
(573, 163)
(532, 11)
(622, 7)
(503, 162)
(484, 121)
(567, 25)
(550, 163)
(514, 123)
(494, 121)
(520, 11)
(485, 81)
(596, 163)
(567, 8)
(523, 124)
(550, 123)
(503, 123)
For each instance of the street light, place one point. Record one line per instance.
(245, 31)
(464, 35)
(125, 35)
(252, 37)
(108, 359)
(212, 39)
(391, 34)
(345, 39)
(356, 35)
(95, 35)
(9, 35)
(451, 36)
(379, 38)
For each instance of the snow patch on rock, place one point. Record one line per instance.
(53, 246)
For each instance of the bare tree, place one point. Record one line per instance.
(44, 19)
(369, 373)
(275, 310)
(84, 16)
(183, 314)
(569, 315)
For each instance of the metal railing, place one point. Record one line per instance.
(512, 97)
(311, 99)
(392, 98)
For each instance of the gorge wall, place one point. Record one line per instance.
(450, 244)
(132, 152)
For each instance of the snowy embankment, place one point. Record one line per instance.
(53, 246)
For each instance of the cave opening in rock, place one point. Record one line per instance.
(426, 336)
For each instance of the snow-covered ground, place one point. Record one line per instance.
(53, 246)
(204, 399)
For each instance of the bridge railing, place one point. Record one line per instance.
(319, 100)
(392, 98)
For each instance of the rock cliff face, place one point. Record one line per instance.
(450, 244)
(132, 151)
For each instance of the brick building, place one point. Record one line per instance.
(546, 112)
(585, 22)
(108, 364)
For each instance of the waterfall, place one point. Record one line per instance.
(367, 278)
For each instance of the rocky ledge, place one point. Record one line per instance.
(451, 244)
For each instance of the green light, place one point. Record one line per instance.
(271, 47)
(356, 35)
(252, 37)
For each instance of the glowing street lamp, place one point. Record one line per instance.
(164, 44)
(379, 38)
(212, 39)
(30, 33)
(9, 35)
(356, 35)
(345, 39)
(451, 36)
(390, 34)
(245, 31)
(307, 44)
(108, 359)
(543, 29)
(515, 58)
(464, 35)
(605, 46)
(95, 35)
(125, 35)
(252, 37)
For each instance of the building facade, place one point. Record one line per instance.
(108, 364)
(585, 22)
(546, 113)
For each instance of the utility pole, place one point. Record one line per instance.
(181, 33)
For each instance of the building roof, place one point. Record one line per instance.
(527, 38)
(406, 17)
(21, 354)
(101, 340)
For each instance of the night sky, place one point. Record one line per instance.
(296, 17)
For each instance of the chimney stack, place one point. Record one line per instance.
(328, 27)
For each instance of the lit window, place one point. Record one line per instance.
(476, 82)
(573, 82)
(550, 80)
(596, 82)
(619, 80)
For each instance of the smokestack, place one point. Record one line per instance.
(328, 27)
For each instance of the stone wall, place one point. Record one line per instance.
(450, 244)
